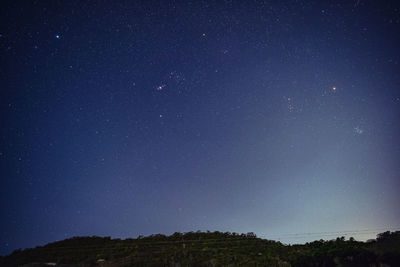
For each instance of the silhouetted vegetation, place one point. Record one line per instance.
(209, 249)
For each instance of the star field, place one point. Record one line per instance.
(127, 118)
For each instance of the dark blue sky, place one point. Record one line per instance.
(127, 118)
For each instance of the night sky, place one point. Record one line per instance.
(127, 118)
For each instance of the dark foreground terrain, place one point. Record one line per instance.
(209, 249)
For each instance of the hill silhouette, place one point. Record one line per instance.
(209, 249)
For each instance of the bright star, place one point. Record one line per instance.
(160, 87)
(58, 36)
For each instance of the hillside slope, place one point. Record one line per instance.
(208, 249)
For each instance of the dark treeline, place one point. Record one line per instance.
(209, 249)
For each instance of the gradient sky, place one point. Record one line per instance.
(127, 118)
